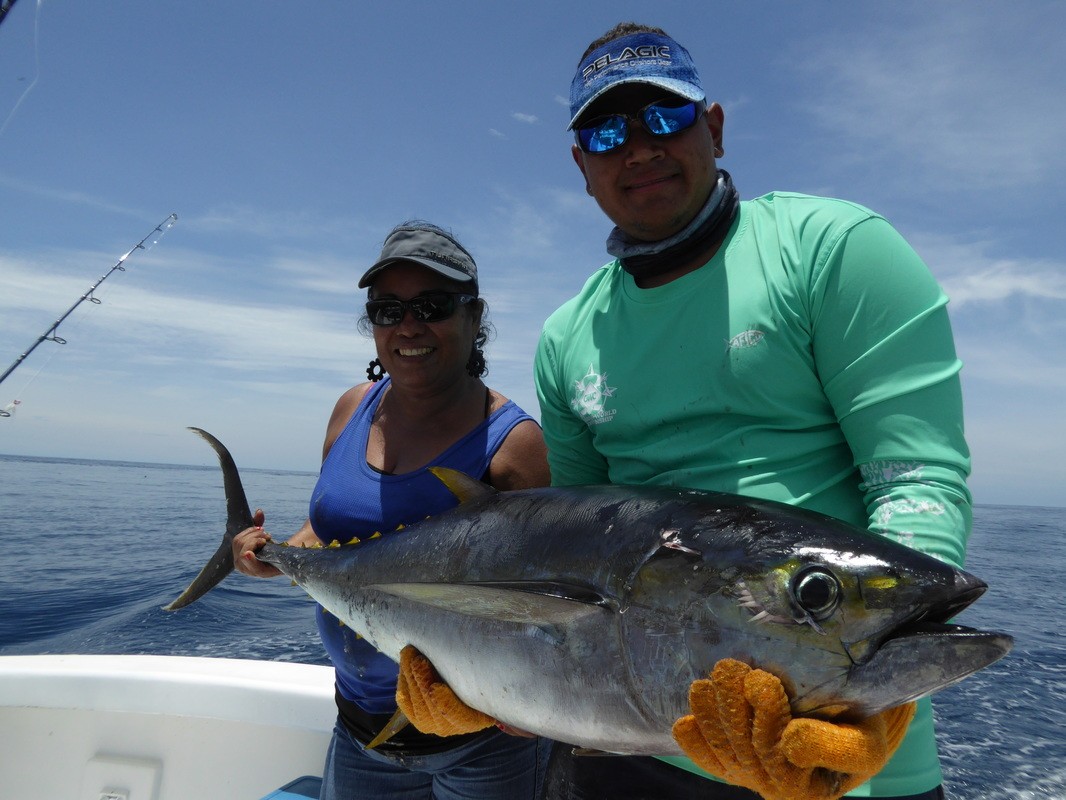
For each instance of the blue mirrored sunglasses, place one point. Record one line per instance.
(661, 118)
(427, 307)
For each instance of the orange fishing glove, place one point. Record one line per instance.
(429, 703)
(741, 730)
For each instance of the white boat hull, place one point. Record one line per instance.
(159, 727)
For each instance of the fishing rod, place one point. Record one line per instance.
(5, 6)
(50, 334)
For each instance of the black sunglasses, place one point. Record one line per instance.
(428, 307)
(661, 118)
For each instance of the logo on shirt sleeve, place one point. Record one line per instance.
(589, 395)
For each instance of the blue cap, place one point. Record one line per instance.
(637, 58)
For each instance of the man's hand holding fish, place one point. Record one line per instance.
(742, 730)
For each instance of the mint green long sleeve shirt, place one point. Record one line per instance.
(810, 361)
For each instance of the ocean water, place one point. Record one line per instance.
(93, 549)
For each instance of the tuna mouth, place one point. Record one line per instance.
(933, 656)
(935, 619)
(924, 620)
(923, 654)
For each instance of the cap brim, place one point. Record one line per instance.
(447, 272)
(680, 88)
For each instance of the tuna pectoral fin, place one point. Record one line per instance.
(499, 603)
(220, 565)
(396, 723)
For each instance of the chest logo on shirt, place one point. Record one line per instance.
(589, 395)
(745, 340)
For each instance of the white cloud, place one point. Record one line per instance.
(171, 327)
(1004, 279)
(947, 91)
(325, 273)
(71, 197)
(969, 274)
(272, 224)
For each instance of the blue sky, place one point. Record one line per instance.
(290, 137)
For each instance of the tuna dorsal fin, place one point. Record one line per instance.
(462, 485)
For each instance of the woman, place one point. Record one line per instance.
(425, 405)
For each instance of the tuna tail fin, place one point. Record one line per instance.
(238, 517)
(220, 565)
(462, 485)
(397, 722)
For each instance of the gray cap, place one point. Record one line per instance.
(426, 245)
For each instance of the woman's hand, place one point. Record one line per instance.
(247, 543)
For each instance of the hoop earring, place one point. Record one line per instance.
(475, 367)
(375, 372)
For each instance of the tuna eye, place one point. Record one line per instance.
(817, 592)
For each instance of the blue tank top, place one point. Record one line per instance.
(351, 498)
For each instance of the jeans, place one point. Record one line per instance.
(495, 766)
(571, 777)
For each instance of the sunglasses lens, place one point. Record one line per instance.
(385, 312)
(432, 307)
(659, 119)
(603, 134)
(663, 120)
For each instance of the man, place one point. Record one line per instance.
(790, 347)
